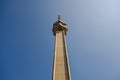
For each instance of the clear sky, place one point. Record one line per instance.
(27, 42)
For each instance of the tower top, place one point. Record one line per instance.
(59, 17)
(59, 25)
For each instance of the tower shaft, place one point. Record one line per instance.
(61, 70)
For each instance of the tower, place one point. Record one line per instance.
(61, 69)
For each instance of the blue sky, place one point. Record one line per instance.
(27, 42)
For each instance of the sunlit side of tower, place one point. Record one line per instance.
(61, 68)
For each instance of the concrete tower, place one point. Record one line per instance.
(61, 69)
